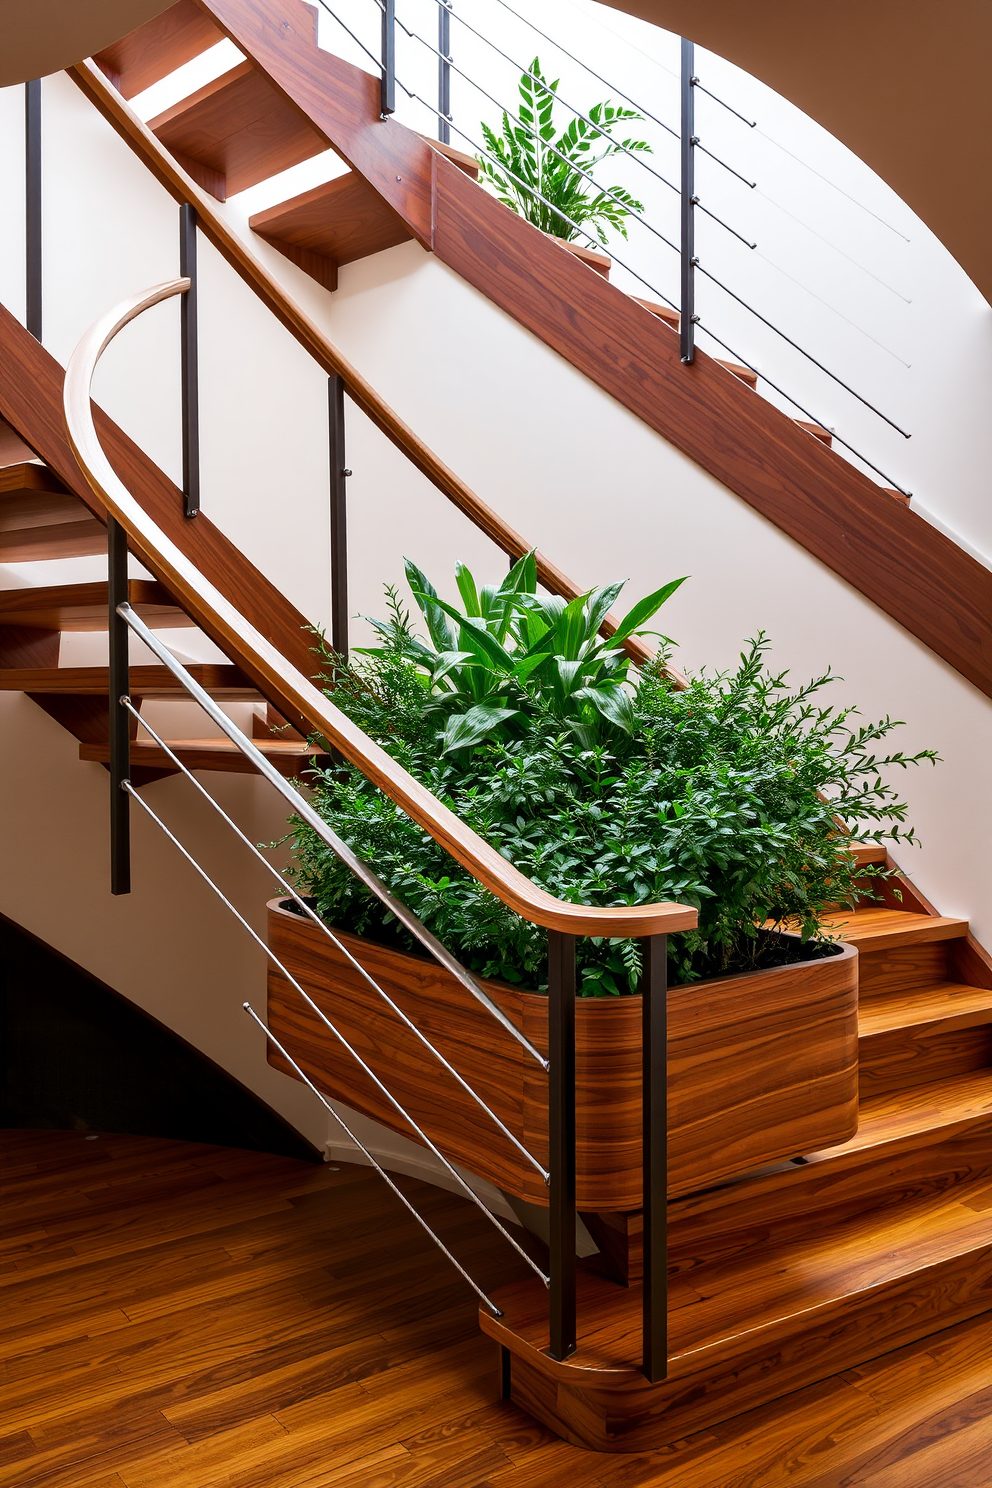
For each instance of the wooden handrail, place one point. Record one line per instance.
(243, 642)
(238, 253)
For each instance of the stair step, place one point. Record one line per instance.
(13, 450)
(922, 1035)
(335, 223)
(746, 1329)
(221, 680)
(878, 929)
(289, 756)
(40, 519)
(236, 131)
(83, 607)
(150, 53)
(817, 431)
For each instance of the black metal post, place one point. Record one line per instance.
(388, 57)
(32, 207)
(444, 72)
(561, 1164)
(687, 308)
(339, 516)
(654, 1024)
(189, 354)
(120, 721)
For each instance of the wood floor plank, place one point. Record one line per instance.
(349, 1355)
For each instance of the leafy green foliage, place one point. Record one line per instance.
(534, 160)
(511, 656)
(724, 795)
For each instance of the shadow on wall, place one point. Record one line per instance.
(76, 1055)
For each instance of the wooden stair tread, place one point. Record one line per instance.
(288, 755)
(725, 1306)
(40, 518)
(83, 607)
(868, 852)
(944, 1005)
(817, 431)
(221, 681)
(239, 130)
(151, 52)
(341, 221)
(879, 928)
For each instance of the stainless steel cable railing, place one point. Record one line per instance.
(447, 65)
(339, 946)
(334, 1030)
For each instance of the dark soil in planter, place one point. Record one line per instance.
(773, 948)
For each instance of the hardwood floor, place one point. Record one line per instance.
(174, 1314)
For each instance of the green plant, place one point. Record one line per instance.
(533, 160)
(723, 794)
(511, 655)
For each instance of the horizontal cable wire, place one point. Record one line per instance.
(885, 285)
(751, 123)
(550, 205)
(323, 926)
(340, 848)
(332, 1028)
(802, 351)
(833, 308)
(376, 61)
(812, 168)
(788, 396)
(381, 1171)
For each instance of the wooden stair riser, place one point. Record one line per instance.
(903, 968)
(796, 1200)
(906, 1057)
(635, 1418)
(153, 50)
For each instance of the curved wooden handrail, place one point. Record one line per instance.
(238, 253)
(244, 643)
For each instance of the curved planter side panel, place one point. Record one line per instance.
(761, 1066)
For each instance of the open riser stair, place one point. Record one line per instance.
(778, 1276)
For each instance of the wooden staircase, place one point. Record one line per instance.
(782, 1277)
(40, 518)
(778, 1277)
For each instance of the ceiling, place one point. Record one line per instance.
(43, 36)
(904, 83)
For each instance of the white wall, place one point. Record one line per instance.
(577, 474)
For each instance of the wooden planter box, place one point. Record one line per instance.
(761, 1066)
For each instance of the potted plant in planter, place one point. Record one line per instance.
(606, 786)
(542, 172)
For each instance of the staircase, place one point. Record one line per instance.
(779, 1277)
(782, 1277)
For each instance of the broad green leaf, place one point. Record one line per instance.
(426, 597)
(613, 703)
(467, 729)
(467, 590)
(645, 609)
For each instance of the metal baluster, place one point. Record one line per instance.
(32, 207)
(444, 72)
(654, 1025)
(119, 720)
(687, 311)
(561, 1122)
(189, 354)
(388, 58)
(339, 516)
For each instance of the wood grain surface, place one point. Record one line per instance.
(83, 607)
(342, 220)
(240, 127)
(182, 1315)
(220, 680)
(157, 48)
(761, 1066)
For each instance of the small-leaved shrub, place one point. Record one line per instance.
(724, 794)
